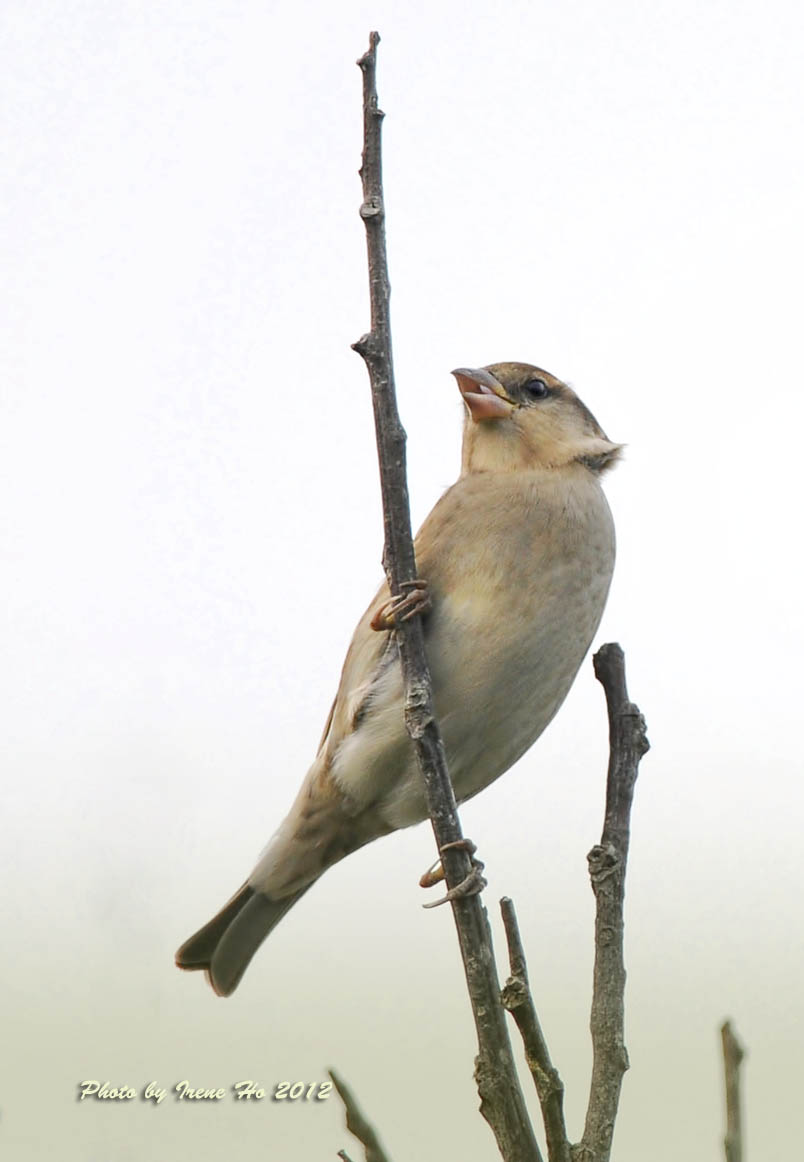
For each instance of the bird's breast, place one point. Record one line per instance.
(518, 572)
(513, 622)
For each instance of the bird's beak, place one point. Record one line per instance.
(485, 397)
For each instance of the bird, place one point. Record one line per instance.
(516, 560)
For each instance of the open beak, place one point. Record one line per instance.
(483, 394)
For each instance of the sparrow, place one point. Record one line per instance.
(517, 557)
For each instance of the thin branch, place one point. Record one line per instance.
(607, 865)
(518, 999)
(501, 1099)
(733, 1054)
(357, 1123)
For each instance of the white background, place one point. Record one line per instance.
(192, 526)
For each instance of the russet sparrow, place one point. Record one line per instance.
(517, 556)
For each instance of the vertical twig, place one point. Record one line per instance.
(518, 999)
(733, 1054)
(607, 863)
(501, 1099)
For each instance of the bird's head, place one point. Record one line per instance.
(520, 417)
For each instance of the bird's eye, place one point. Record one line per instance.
(535, 389)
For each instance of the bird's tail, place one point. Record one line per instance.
(224, 947)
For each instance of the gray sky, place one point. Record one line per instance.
(192, 526)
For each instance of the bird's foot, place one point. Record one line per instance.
(411, 602)
(470, 886)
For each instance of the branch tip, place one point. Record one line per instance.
(357, 1123)
(369, 56)
(733, 1055)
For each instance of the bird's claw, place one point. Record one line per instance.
(435, 873)
(470, 886)
(411, 602)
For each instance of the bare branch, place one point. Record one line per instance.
(607, 864)
(501, 1099)
(733, 1054)
(517, 998)
(357, 1123)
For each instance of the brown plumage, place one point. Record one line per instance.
(518, 556)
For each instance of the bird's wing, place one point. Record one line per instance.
(369, 654)
(372, 651)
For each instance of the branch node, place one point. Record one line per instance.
(363, 345)
(371, 209)
(604, 862)
(514, 993)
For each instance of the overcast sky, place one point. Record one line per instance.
(191, 527)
